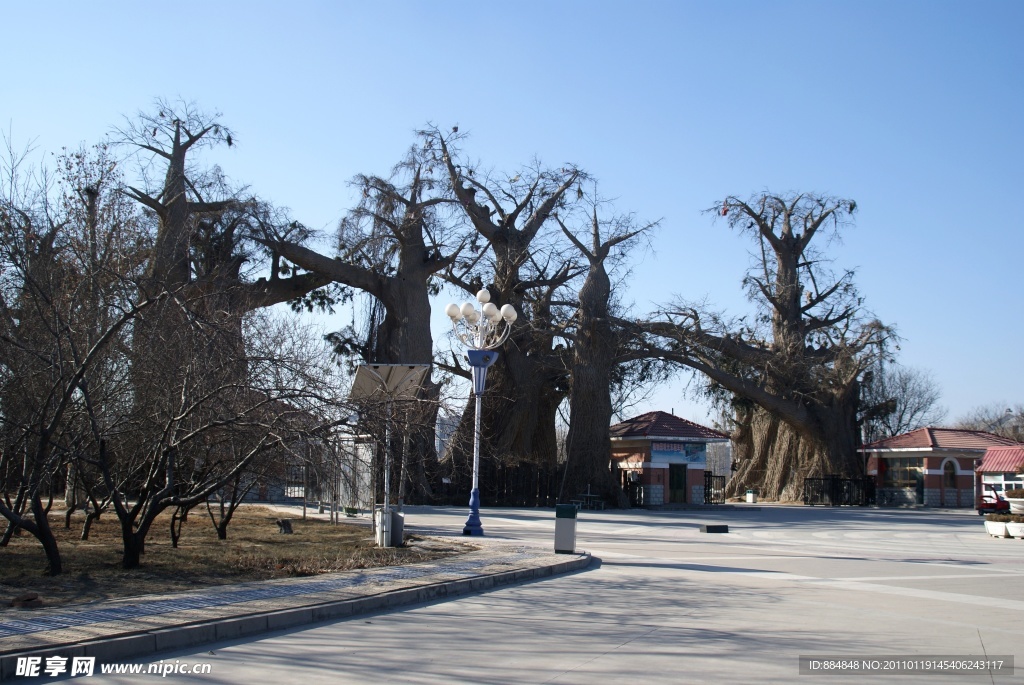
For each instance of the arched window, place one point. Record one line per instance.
(949, 475)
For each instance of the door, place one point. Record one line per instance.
(949, 485)
(677, 483)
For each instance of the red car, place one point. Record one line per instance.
(992, 503)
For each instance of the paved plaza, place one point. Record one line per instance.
(665, 603)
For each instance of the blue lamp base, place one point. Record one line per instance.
(473, 526)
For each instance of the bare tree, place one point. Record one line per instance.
(1006, 421)
(530, 379)
(597, 351)
(795, 370)
(898, 399)
(199, 248)
(392, 246)
(179, 459)
(62, 311)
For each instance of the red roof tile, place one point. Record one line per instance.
(1002, 459)
(940, 438)
(659, 424)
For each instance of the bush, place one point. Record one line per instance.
(1003, 518)
(1016, 493)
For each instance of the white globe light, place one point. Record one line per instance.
(473, 317)
(452, 311)
(508, 312)
(491, 311)
(484, 296)
(468, 309)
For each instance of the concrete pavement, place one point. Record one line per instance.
(117, 630)
(666, 603)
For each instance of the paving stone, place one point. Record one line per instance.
(120, 629)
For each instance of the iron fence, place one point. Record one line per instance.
(714, 488)
(836, 491)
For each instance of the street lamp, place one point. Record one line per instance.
(480, 330)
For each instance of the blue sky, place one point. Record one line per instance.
(913, 109)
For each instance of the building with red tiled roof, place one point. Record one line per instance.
(662, 457)
(931, 438)
(1001, 469)
(929, 466)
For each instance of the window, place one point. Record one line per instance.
(949, 475)
(999, 482)
(902, 472)
(295, 486)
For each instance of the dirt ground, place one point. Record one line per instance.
(254, 550)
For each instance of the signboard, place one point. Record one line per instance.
(679, 453)
(388, 381)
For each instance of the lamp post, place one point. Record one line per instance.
(480, 330)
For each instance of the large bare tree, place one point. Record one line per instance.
(521, 268)
(202, 224)
(391, 247)
(597, 352)
(793, 371)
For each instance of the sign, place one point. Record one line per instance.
(679, 453)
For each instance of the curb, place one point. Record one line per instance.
(131, 645)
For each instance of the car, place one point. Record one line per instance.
(992, 504)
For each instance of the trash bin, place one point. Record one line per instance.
(751, 497)
(397, 529)
(565, 528)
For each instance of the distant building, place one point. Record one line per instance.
(662, 458)
(933, 467)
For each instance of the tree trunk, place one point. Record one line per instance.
(12, 527)
(132, 553)
(9, 532)
(588, 447)
(226, 512)
(520, 405)
(134, 539)
(93, 515)
(775, 457)
(178, 519)
(44, 534)
(517, 426)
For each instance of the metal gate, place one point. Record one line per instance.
(836, 492)
(714, 488)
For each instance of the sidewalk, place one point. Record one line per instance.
(120, 630)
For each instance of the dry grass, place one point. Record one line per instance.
(254, 550)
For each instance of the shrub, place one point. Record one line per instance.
(1002, 518)
(1016, 493)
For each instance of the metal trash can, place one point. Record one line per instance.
(751, 497)
(565, 528)
(397, 528)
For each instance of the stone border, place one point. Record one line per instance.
(132, 645)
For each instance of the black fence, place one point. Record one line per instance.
(834, 491)
(714, 488)
(521, 485)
